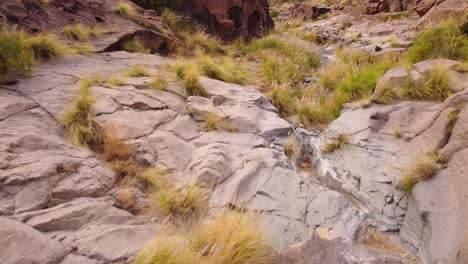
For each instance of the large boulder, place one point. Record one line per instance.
(306, 11)
(230, 19)
(453, 9)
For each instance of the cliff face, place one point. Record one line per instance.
(230, 19)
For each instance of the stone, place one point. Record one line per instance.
(392, 79)
(230, 19)
(112, 243)
(426, 66)
(454, 9)
(306, 11)
(76, 214)
(21, 243)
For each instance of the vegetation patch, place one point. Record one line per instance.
(445, 41)
(338, 143)
(181, 202)
(233, 238)
(134, 45)
(421, 169)
(138, 71)
(77, 119)
(16, 54)
(47, 46)
(125, 9)
(81, 32)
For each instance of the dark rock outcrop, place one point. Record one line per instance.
(229, 19)
(34, 17)
(306, 11)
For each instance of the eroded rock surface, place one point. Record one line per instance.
(230, 19)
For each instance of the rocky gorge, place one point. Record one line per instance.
(331, 192)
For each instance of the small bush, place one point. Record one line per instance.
(134, 45)
(155, 178)
(115, 149)
(125, 10)
(337, 143)
(212, 121)
(124, 168)
(163, 250)
(116, 81)
(16, 55)
(77, 120)
(434, 85)
(291, 148)
(47, 46)
(445, 41)
(202, 42)
(181, 202)
(138, 71)
(283, 99)
(159, 83)
(421, 169)
(80, 32)
(232, 238)
(82, 49)
(191, 84)
(278, 69)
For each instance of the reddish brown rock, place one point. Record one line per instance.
(35, 16)
(306, 11)
(229, 19)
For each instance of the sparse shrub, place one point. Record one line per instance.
(138, 71)
(159, 83)
(395, 16)
(332, 75)
(444, 41)
(82, 49)
(291, 148)
(212, 121)
(336, 144)
(165, 250)
(178, 24)
(77, 120)
(223, 69)
(115, 149)
(386, 94)
(232, 238)
(434, 85)
(115, 81)
(16, 55)
(124, 168)
(126, 200)
(361, 83)
(134, 45)
(125, 10)
(155, 178)
(283, 99)
(354, 56)
(311, 36)
(200, 41)
(47, 46)
(278, 69)
(159, 5)
(421, 169)
(181, 202)
(80, 32)
(302, 57)
(191, 84)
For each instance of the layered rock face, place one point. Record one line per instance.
(52, 16)
(230, 19)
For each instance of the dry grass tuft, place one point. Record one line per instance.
(181, 202)
(125, 10)
(338, 143)
(421, 169)
(77, 119)
(138, 71)
(212, 122)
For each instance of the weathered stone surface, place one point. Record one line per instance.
(454, 9)
(306, 11)
(392, 79)
(76, 214)
(435, 224)
(369, 166)
(111, 243)
(52, 17)
(21, 243)
(230, 19)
